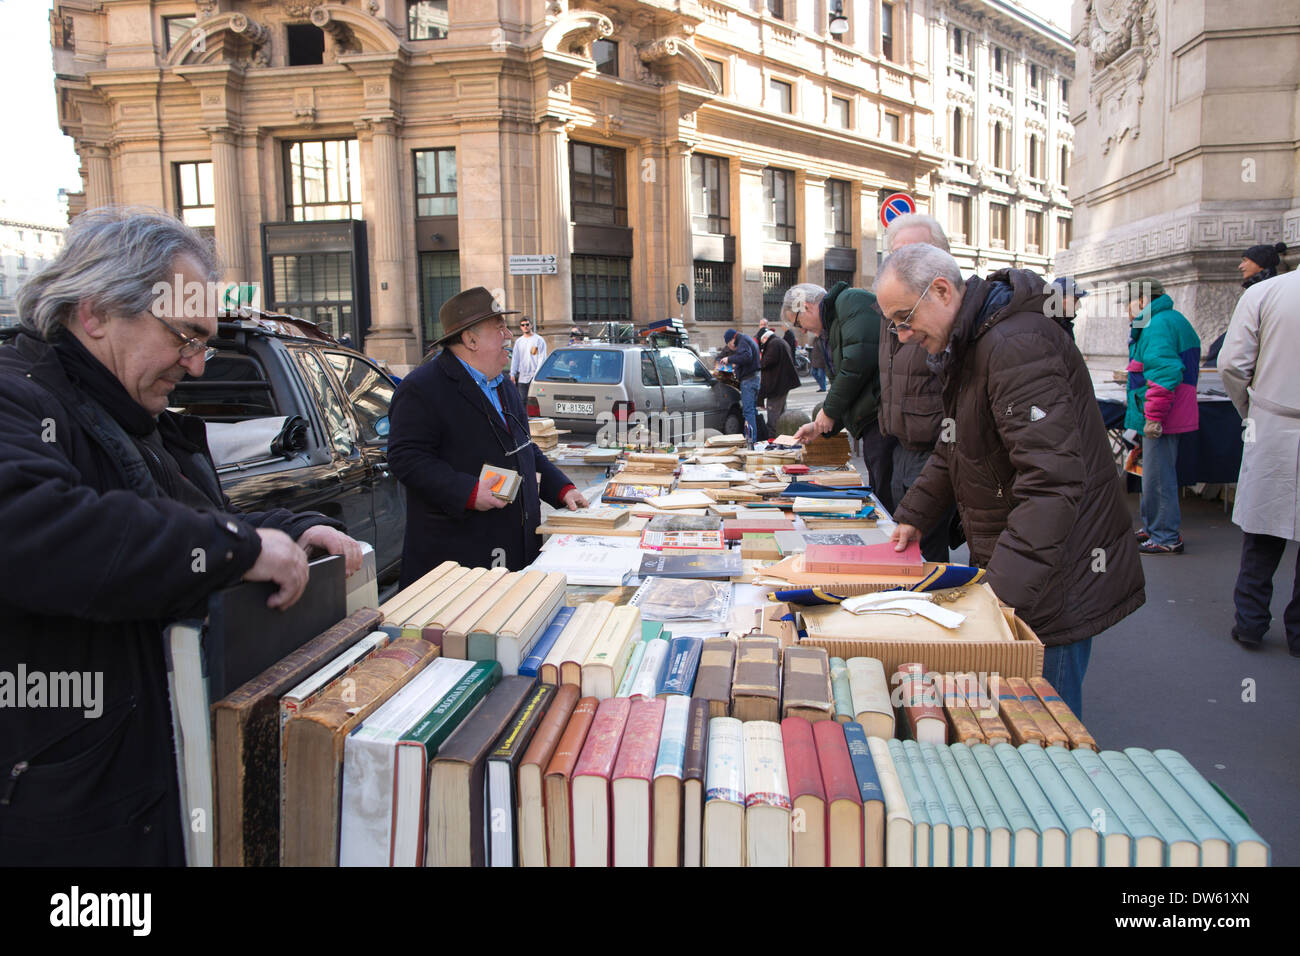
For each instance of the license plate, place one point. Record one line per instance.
(575, 408)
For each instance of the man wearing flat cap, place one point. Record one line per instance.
(451, 416)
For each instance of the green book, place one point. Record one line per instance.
(958, 827)
(1148, 846)
(940, 828)
(1024, 834)
(995, 824)
(633, 665)
(1248, 847)
(915, 803)
(1215, 848)
(979, 849)
(652, 629)
(1181, 848)
(1082, 846)
(420, 745)
(840, 691)
(1052, 843)
(1115, 843)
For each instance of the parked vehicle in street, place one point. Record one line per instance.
(298, 421)
(600, 385)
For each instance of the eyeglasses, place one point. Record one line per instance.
(189, 347)
(906, 324)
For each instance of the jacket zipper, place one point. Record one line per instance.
(15, 772)
(22, 766)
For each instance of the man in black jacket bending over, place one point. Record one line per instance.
(108, 501)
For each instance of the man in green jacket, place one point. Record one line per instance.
(846, 324)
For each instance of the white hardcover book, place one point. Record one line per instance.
(870, 692)
(649, 677)
(767, 796)
(187, 686)
(605, 662)
(724, 794)
(518, 636)
(370, 763)
(550, 669)
(363, 585)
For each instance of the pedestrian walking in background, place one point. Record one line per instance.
(741, 353)
(778, 376)
(1164, 361)
(1258, 264)
(1258, 363)
(526, 358)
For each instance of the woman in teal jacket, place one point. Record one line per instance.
(1164, 356)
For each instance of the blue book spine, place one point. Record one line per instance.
(1078, 824)
(531, 664)
(864, 768)
(1040, 808)
(1013, 808)
(947, 796)
(1103, 820)
(1122, 806)
(1237, 830)
(940, 839)
(683, 663)
(915, 802)
(966, 800)
(1188, 810)
(1171, 829)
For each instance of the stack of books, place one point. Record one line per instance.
(544, 433)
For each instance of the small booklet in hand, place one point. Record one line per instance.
(503, 482)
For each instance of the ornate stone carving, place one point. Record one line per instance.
(340, 33)
(206, 8)
(961, 98)
(300, 8)
(258, 36)
(1117, 26)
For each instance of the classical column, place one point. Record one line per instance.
(390, 319)
(750, 240)
(553, 221)
(678, 201)
(229, 200)
(99, 187)
(813, 199)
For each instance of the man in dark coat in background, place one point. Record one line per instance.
(1028, 463)
(778, 376)
(115, 524)
(448, 419)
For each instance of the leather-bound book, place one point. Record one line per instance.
(713, 680)
(457, 828)
(756, 684)
(559, 773)
(503, 773)
(806, 685)
(590, 795)
(921, 705)
(246, 731)
(1038, 713)
(531, 821)
(1062, 714)
(1012, 712)
(316, 737)
(965, 725)
(991, 725)
(632, 783)
(695, 765)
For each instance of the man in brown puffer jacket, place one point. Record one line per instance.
(1029, 465)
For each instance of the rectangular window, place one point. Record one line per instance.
(605, 53)
(435, 182)
(710, 195)
(1033, 231)
(838, 275)
(960, 141)
(999, 224)
(778, 205)
(959, 219)
(713, 302)
(838, 219)
(316, 287)
(893, 127)
(841, 112)
(602, 288)
(1036, 95)
(597, 182)
(887, 30)
(720, 71)
(782, 96)
(306, 43)
(439, 281)
(775, 283)
(324, 179)
(1064, 230)
(999, 62)
(195, 205)
(176, 27)
(426, 19)
(1036, 164)
(1065, 95)
(1001, 147)
(1065, 166)
(776, 8)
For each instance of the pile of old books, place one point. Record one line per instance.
(544, 433)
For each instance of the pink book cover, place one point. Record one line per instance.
(640, 748)
(601, 749)
(864, 559)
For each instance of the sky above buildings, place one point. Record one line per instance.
(40, 160)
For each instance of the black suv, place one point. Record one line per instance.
(298, 421)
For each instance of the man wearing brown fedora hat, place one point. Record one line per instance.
(449, 418)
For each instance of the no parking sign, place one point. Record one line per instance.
(899, 204)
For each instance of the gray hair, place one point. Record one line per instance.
(112, 257)
(799, 295)
(937, 237)
(919, 264)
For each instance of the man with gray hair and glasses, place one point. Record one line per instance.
(115, 523)
(1025, 459)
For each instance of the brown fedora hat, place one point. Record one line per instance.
(466, 309)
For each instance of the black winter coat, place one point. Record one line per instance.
(777, 364)
(96, 560)
(443, 430)
(1030, 467)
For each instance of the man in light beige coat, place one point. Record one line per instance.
(1258, 364)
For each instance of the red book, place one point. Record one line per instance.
(804, 776)
(843, 798)
(591, 776)
(795, 469)
(865, 559)
(633, 781)
(734, 528)
(922, 705)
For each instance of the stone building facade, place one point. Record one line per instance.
(1185, 112)
(24, 248)
(1002, 81)
(366, 159)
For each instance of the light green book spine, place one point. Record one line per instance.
(1105, 821)
(1068, 810)
(651, 629)
(940, 828)
(1227, 819)
(915, 802)
(1123, 807)
(1171, 829)
(840, 690)
(1189, 811)
(985, 799)
(481, 647)
(965, 801)
(952, 808)
(1045, 818)
(633, 665)
(1018, 817)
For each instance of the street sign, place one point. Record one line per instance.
(683, 294)
(899, 204)
(542, 265)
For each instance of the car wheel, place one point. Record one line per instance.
(734, 425)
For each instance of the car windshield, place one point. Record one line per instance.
(583, 366)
